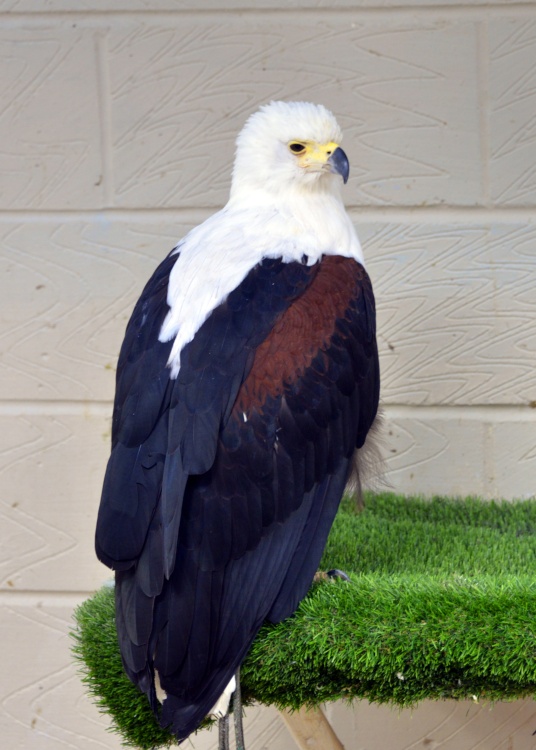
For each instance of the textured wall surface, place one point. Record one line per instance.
(116, 130)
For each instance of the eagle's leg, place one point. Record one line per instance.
(223, 722)
(237, 714)
(223, 732)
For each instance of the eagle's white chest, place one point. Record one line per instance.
(215, 257)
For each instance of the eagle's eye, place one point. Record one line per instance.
(296, 148)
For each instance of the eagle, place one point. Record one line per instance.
(247, 382)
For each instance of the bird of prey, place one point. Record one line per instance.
(246, 385)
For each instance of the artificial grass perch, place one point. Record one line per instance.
(441, 604)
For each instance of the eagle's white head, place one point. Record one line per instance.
(289, 147)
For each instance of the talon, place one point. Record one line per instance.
(336, 573)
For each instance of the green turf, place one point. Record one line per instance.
(436, 537)
(441, 604)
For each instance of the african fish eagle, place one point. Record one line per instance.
(247, 381)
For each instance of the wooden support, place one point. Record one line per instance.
(311, 730)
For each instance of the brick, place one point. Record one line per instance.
(70, 291)
(43, 704)
(459, 452)
(449, 725)
(53, 466)
(42, 6)
(512, 460)
(50, 129)
(512, 81)
(429, 455)
(456, 311)
(181, 92)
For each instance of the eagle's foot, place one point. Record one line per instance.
(329, 575)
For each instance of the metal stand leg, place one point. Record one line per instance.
(223, 733)
(237, 714)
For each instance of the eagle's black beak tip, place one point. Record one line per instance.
(339, 164)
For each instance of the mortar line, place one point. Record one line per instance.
(100, 408)
(36, 598)
(462, 412)
(215, 14)
(103, 408)
(403, 214)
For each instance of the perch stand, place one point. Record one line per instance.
(441, 604)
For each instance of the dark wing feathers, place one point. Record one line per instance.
(310, 547)
(142, 378)
(223, 484)
(133, 479)
(252, 583)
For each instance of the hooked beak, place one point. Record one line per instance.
(339, 164)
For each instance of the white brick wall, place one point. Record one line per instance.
(116, 135)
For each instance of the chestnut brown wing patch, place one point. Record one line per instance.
(304, 330)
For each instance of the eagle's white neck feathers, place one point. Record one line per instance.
(275, 210)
